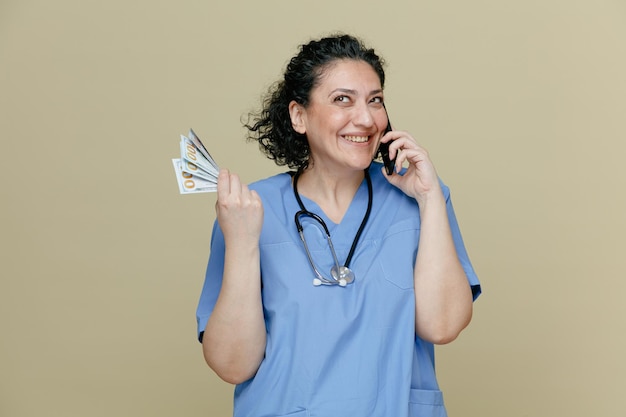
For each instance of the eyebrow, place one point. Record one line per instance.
(353, 92)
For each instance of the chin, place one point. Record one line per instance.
(361, 165)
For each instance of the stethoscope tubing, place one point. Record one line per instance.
(322, 280)
(341, 271)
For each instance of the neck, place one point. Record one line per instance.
(332, 192)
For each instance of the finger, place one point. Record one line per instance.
(223, 183)
(395, 135)
(401, 142)
(235, 184)
(256, 199)
(412, 158)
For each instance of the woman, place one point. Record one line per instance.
(271, 318)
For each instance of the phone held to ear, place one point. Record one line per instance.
(390, 164)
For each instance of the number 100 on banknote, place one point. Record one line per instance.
(196, 171)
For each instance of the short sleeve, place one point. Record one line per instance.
(212, 280)
(460, 247)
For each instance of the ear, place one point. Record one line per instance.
(297, 115)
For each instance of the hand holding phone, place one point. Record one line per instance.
(390, 164)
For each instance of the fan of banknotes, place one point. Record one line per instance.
(196, 171)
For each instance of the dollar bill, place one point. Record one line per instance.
(196, 170)
(198, 143)
(190, 153)
(189, 184)
(192, 169)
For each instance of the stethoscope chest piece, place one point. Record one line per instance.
(340, 275)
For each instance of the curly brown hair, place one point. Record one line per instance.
(271, 127)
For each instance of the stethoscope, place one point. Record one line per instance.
(339, 275)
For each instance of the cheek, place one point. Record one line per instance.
(382, 121)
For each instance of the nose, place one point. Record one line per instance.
(363, 116)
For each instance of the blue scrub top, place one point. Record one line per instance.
(335, 351)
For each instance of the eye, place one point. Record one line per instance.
(378, 100)
(342, 99)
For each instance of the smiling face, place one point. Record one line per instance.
(345, 117)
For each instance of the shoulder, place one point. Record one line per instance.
(270, 186)
(275, 192)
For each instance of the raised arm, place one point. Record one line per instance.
(443, 296)
(234, 338)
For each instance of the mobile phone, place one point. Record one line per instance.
(390, 164)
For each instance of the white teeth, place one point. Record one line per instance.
(357, 139)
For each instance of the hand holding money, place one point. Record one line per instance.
(196, 171)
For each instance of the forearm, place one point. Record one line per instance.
(234, 337)
(442, 294)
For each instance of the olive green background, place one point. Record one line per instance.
(521, 104)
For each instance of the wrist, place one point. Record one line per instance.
(432, 197)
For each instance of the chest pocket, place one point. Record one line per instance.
(398, 252)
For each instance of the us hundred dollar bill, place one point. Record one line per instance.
(196, 171)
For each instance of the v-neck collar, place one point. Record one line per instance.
(343, 231)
